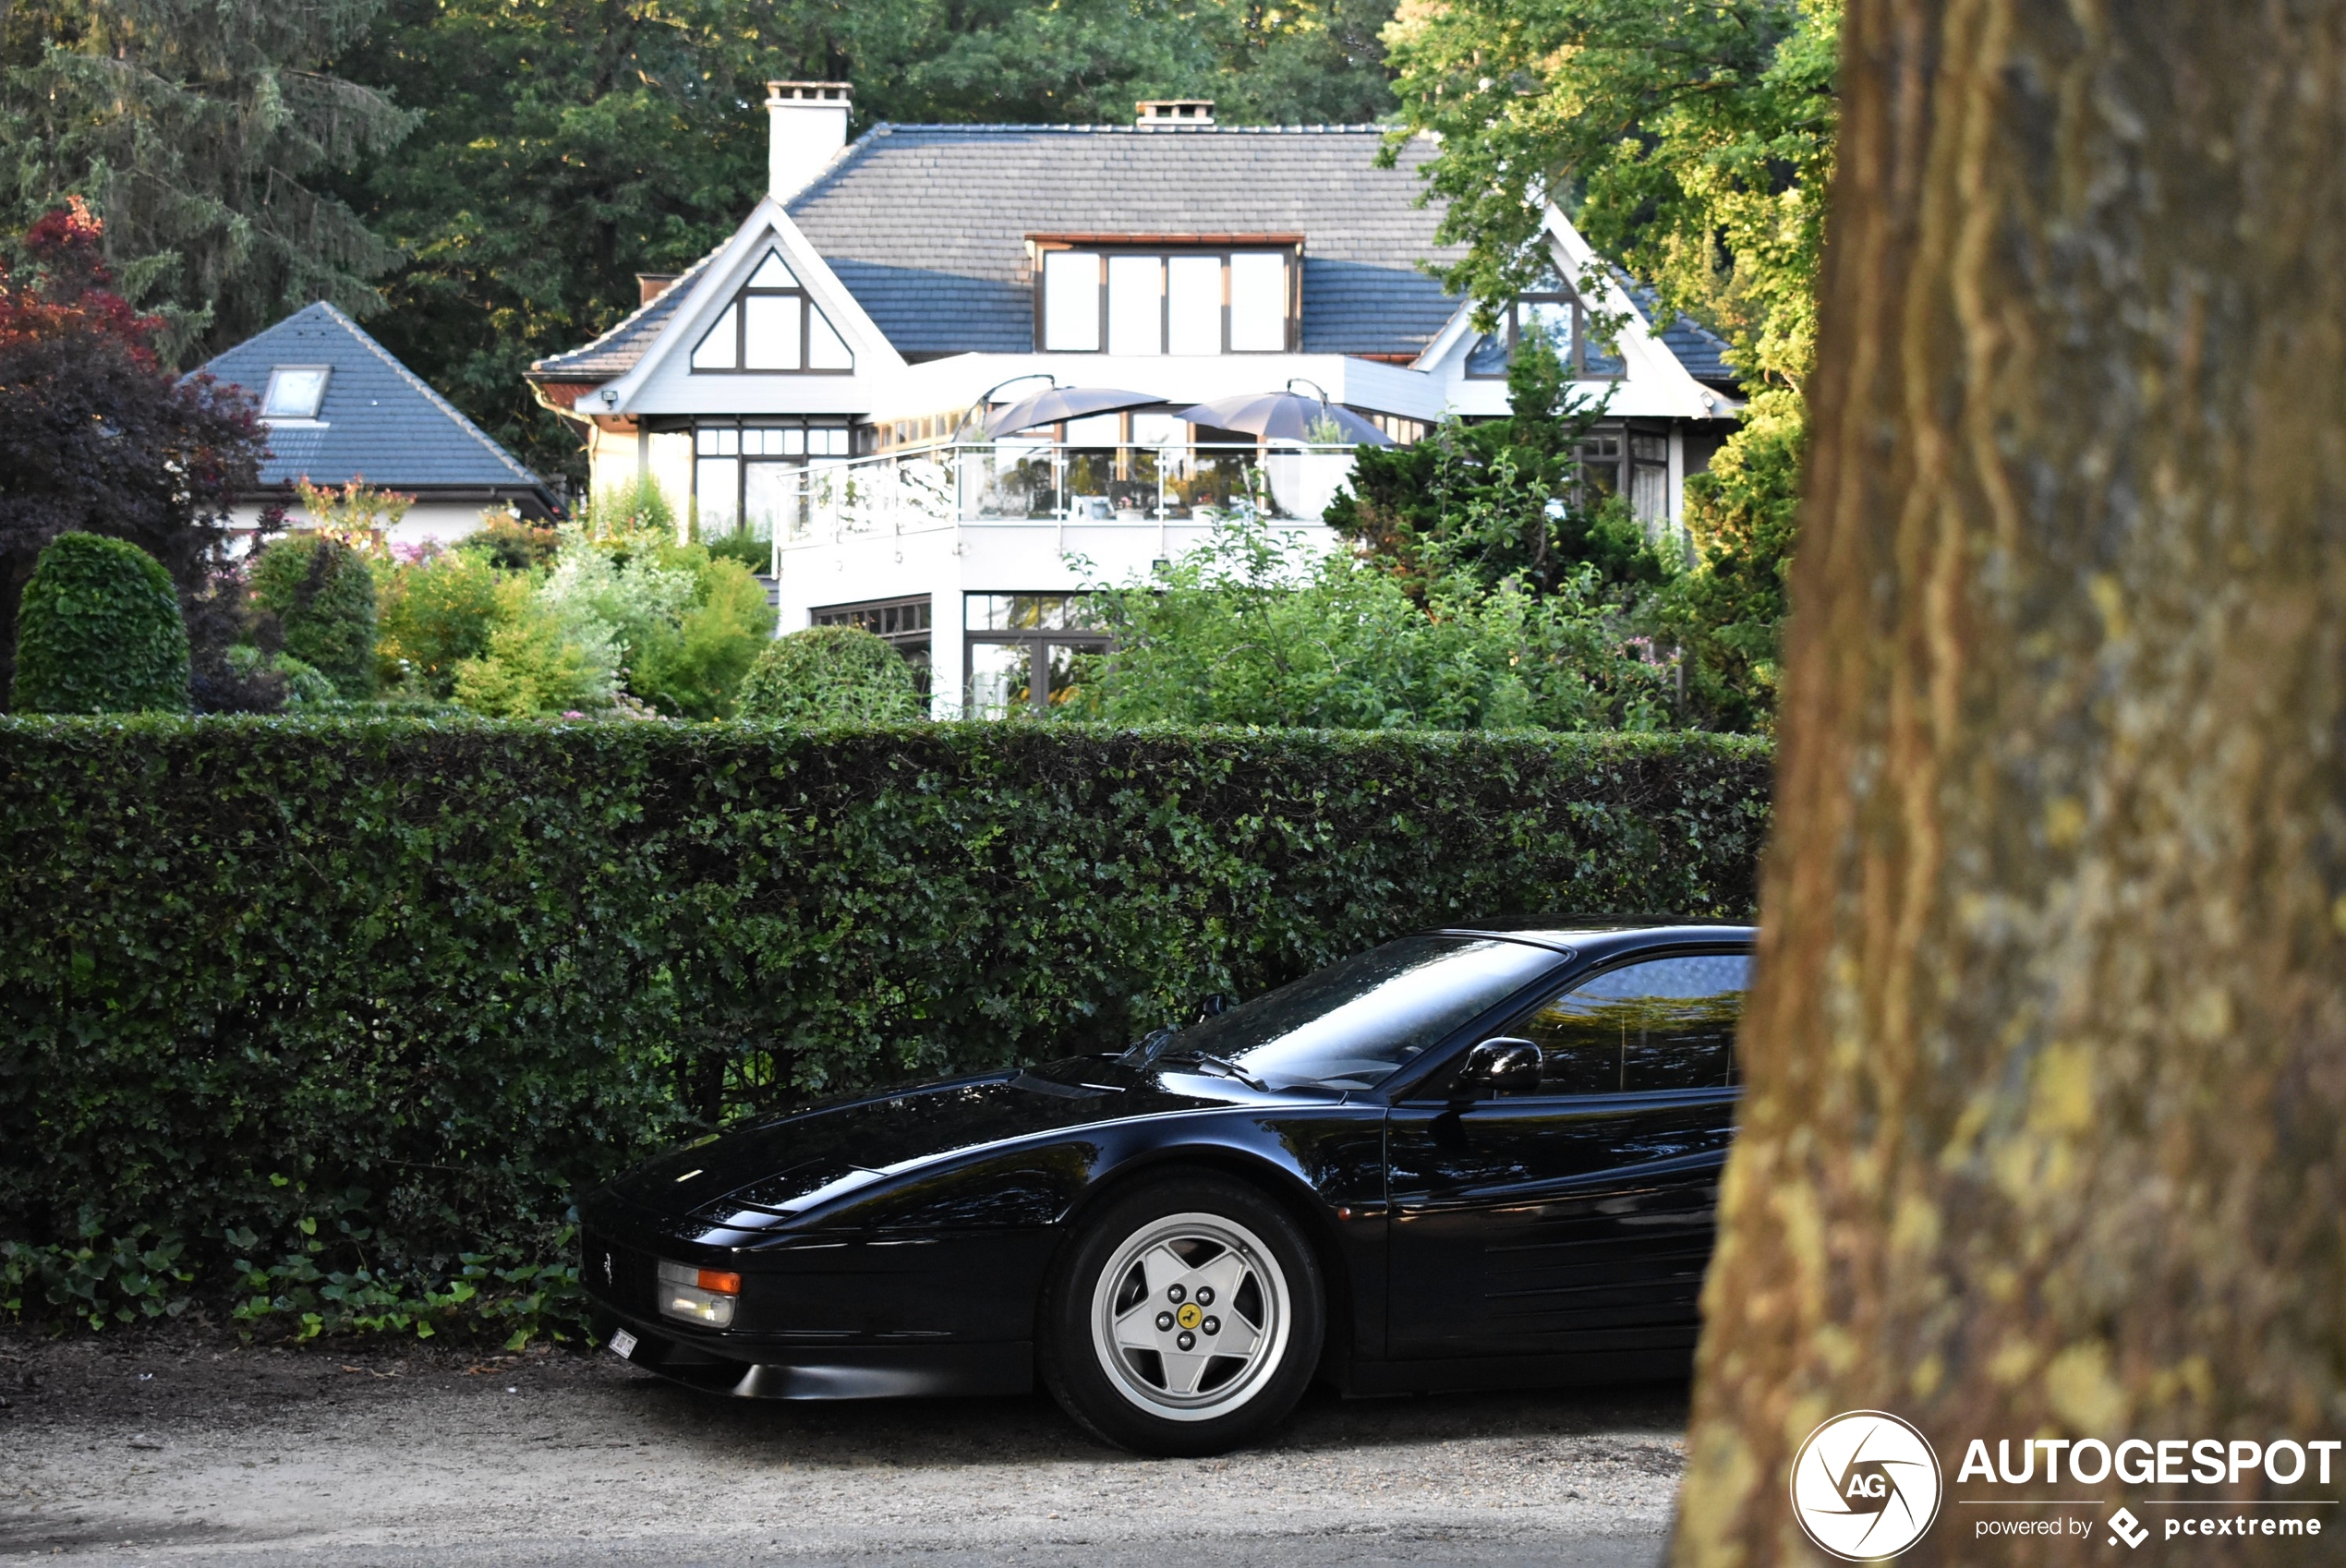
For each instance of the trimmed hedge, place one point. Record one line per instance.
(409, 983)
(99, 630)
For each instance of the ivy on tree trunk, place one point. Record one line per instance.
(2047, 1053)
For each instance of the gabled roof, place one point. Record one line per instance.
(380, 421)
(615, 353)
(1701, 350)
(926, 227)
(927, 224)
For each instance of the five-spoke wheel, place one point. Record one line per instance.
(1194, 1306)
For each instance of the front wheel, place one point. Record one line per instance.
(1186, 1319)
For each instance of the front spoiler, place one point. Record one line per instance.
(825, 1371)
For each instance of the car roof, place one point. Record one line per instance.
(1596, 937)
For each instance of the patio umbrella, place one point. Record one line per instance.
(1285, 417)
(1050, 406)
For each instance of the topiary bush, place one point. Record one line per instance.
(99, 630)
(829, 675)
(322, 594)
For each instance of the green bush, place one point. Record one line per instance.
(436, 614)
(512, 545)
(288, 1001)
(304, 687)
(829, 675)
(99, 630)
(754, 553)
(323, 596)
(696, 669)
(1253, 627)
(539, 663)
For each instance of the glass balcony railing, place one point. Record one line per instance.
(1013, 483)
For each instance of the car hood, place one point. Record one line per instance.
(797, 1162)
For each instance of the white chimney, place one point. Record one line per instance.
(1172, 113)
(808, 123)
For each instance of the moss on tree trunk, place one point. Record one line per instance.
(2047, 1054)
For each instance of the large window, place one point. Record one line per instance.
(1024, 650)
(1152, 302)
(902, 624)
(1554, 311)
(1632, 464)
(771, 326)
(746, 478)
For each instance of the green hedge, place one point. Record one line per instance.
(345, 1009)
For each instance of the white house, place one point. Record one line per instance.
(825, 378)
(339, 407)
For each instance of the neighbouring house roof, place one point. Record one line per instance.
(379, 421)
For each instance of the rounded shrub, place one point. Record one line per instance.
(99, 630)
(829, 675)
(323, 596)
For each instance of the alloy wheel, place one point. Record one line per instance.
(1191, 1317)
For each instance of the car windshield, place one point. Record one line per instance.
(1351, 1024)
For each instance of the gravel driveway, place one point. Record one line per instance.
(185, 1448)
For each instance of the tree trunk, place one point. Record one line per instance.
(2047, 1060)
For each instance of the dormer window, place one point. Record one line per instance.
(296, 391)
(771, 326)
(1554, 310)
(1147, 299)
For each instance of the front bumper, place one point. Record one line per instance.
(764, 1367)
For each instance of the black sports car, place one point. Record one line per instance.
(1465, 1158)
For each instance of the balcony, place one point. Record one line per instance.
(1027, 484)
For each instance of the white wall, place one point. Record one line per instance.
(425, 523)
(947, 563)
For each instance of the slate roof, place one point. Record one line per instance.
(926, 227)
(1701, 350)
(379, 421)
(927, 224)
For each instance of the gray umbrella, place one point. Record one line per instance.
(1285, 417)
(1050, 406)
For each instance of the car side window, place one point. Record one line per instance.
(1655, 1024)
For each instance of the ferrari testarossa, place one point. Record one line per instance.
(1468, 1158)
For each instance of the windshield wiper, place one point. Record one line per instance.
(1226, 1069)
(1149, 1047)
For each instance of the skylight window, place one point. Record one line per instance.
(772, 326)
(296, 391)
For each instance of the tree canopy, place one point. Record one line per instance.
(95, 435)
(1691, 144)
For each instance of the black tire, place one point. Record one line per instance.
(1222, 1287)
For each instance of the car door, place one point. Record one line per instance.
(1577, 1216)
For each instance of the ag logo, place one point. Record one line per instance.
(1865, 1486)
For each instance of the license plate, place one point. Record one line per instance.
(623, 1344)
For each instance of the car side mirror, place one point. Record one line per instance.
(1214, 1006)
(1500, 1066)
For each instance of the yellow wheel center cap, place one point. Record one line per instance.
(1189, 1317)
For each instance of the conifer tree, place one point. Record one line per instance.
(199, 131)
